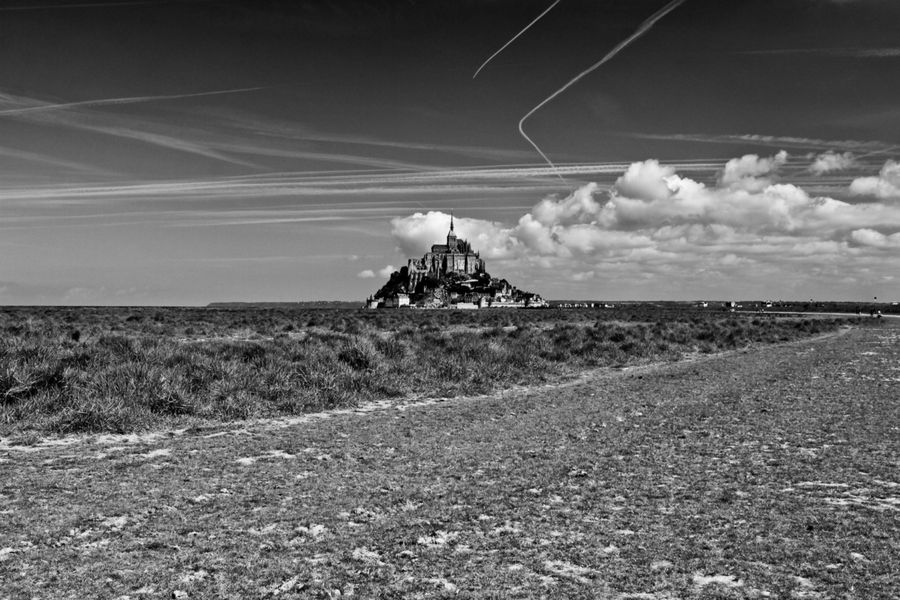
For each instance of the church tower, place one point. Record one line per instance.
(451, 238)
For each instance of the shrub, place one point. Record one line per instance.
(359, 354)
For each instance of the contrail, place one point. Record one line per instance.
(527, 27)
(49, 160)
(114, 101)
(644, 27)
(882, 151)
(778, 141)
(96, 4)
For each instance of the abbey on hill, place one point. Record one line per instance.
(451, 275)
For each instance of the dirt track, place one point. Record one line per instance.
(766, 472)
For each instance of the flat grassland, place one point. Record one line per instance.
(762, 471)
(120, 370)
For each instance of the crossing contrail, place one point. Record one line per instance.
(644, 27)
(502, 48)
(877, 152)
(114, 101)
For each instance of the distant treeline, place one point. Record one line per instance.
(823, 306)
(289, 305)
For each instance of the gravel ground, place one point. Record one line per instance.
(769, 472)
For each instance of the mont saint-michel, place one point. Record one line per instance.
(451, 275)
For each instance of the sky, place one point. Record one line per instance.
(171, 152)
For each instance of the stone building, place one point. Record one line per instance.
(456, 256)
(451, 275)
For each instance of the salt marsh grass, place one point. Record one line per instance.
(120, 370)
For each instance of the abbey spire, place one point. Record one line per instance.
(452, 245)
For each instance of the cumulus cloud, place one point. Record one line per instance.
(583, 275)
(383, 273)
(646, 180)
(832, 161)
(656, 223)
(876, 239)
(750, 172)
(885, 185)
(416, 233)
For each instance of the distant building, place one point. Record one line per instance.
(456, 256)
(396, 301)
(451, 275)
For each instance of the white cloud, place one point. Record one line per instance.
(583, 275)
(535, 235)
(885, 185)
(416, 233)
(646, 181)
(575, 208)
(832, 161)
(367, 274)
(870, 237)
(748, 172)
(387, 271)
(656, 225)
